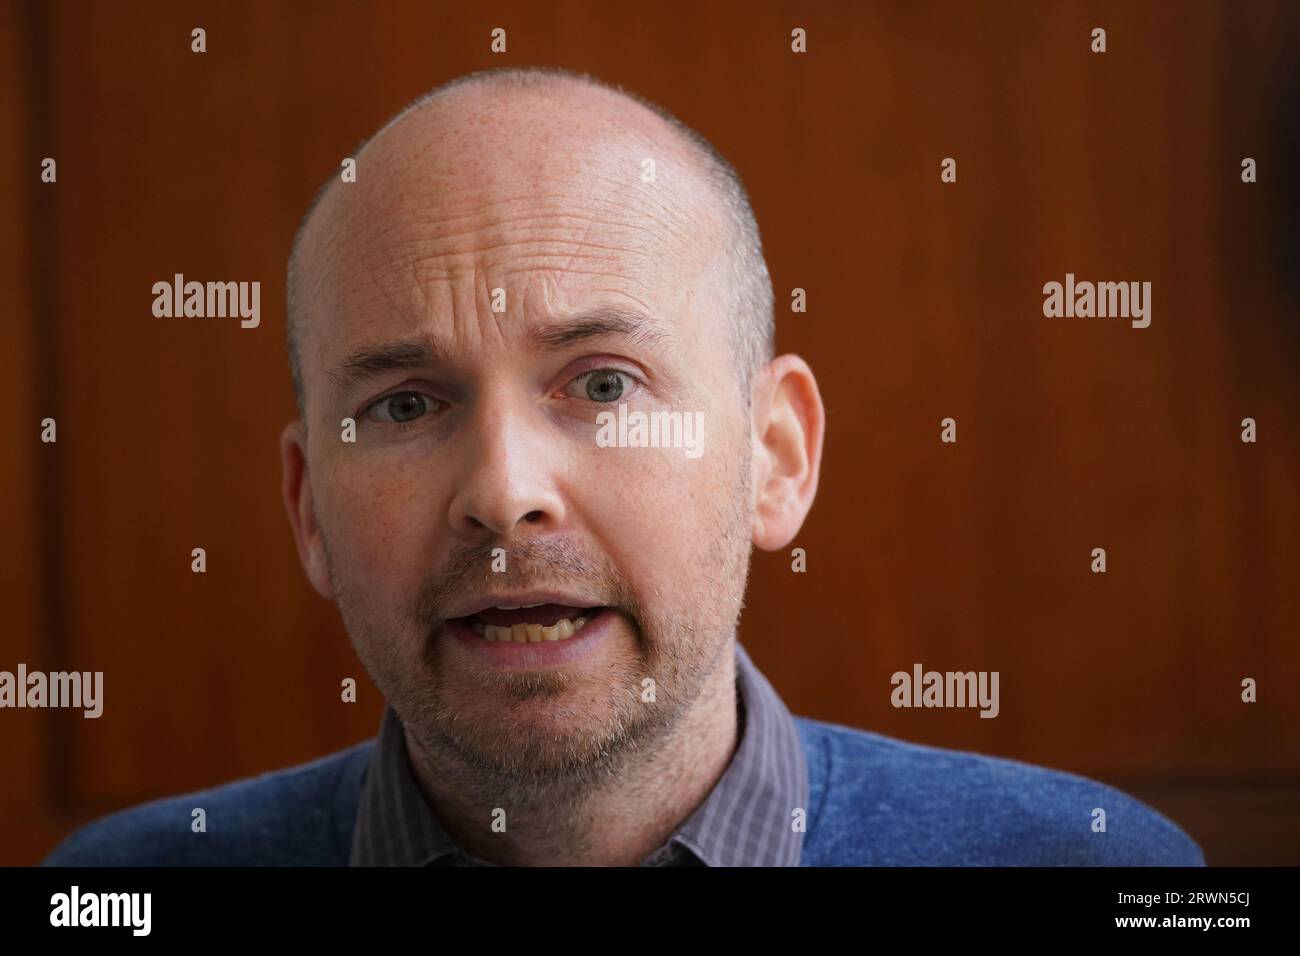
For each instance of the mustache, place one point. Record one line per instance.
(530, 564)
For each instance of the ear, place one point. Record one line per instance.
(789, 421)
(295, 486)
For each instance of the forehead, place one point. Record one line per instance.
(562, 199)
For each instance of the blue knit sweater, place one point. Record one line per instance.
(874, 801)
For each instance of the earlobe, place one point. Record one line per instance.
(789, 430)
(295, 487)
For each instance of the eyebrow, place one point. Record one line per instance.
(414, 354)
(376, 360)
(600, 323)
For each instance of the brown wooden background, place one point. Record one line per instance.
(924, 302)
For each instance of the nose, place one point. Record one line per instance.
(507, 482)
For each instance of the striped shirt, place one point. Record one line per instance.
(748, 819)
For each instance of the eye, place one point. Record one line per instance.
(604, 384)
(400, 407)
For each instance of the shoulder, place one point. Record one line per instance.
(878, 801)
(302, 816)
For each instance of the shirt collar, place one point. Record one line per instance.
(747, 819)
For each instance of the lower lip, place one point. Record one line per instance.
(544, 655)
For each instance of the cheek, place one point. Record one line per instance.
(378, 523)
(662, 517)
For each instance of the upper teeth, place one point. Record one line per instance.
(531, 633)
(515, 607)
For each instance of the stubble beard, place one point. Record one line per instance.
(572, 737)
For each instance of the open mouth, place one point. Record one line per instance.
(532, 624)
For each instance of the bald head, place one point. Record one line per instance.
(499, 134)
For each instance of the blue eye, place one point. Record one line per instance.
(400, 407)
(604, 384)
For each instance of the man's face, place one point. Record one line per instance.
(476, 441)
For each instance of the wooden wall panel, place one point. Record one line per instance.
(1074, 435)
(25, 739)
(924, 302)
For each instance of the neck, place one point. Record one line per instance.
(632, 813)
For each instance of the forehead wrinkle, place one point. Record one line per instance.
(409, 284)
(419, 193)
(423, 254)
(443, 206)
(418, 272)
(457, 206)
(554, 248)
